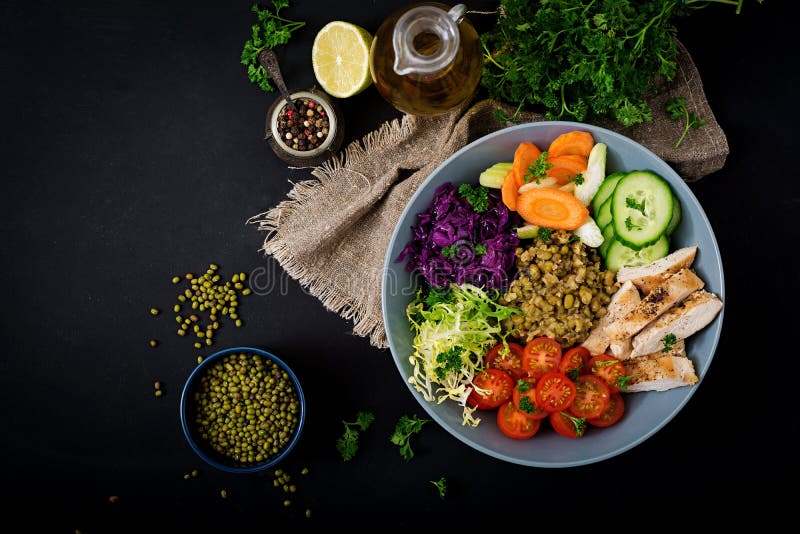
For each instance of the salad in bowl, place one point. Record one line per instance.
(562, 281)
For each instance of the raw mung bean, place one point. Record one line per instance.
(561, 290)
(247, 409)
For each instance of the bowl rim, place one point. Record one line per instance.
(184, 404)
(679, 183)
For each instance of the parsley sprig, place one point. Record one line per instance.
(272, 30)
(441, 486)
(537, 171)
(676, 107)
(450, 361)
(405, 428)
(669, 340)
(347, 444)
(478, 196)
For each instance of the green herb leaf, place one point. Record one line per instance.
(573, 375)
(669, 340)
(676, 108)
(441, 486)
(631, 203)
(347, 444)
(629, 224)
(450, 362)
(578, 179)
(438, 294)
(578, 422)
(523, 385)
(582, 59)
(480, 249)
(538, 169)
(364, 419)
(273, 30)
(622, 381)
(405, 428)
(544, 234)
(449, 251)
(478, 196)
(526, 405)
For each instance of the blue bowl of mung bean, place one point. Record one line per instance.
(242, 410)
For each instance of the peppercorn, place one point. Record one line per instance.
(310, 117)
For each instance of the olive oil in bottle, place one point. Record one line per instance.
(426, 59)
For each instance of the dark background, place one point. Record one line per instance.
(132, 151)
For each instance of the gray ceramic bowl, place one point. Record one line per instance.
(645, 413)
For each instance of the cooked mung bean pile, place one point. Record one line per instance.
(247, 408)
(560, 289)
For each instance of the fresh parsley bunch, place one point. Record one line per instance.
(271, 31)
(582, 59)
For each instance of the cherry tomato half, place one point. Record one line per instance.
(610, 369)
(567, 425)
(541, 356)
(591, 397)
(516, 424)
(612, 413)
(573, 362)
(510, 362)
(499, 386)
(524, 399)
(555, 391)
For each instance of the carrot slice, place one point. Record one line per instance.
(509, 191)
(551, 208)
(574, 142)
(562, 175)
(525, 154)
(574, 162)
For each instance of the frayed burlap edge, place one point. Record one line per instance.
(314, 281)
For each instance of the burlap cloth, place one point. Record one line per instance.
(332, 232)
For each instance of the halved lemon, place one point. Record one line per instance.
(340, 57)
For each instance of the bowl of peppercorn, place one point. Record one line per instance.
(308, 134)
(242, 410)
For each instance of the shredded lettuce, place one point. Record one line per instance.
(453, 330)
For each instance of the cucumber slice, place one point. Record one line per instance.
(529, 231)
(495, 175)
(641, 207)
(605, 190)
(618, 255)
(603, 216)
(677, 213)
(608, 237)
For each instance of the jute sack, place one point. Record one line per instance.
(332, 232)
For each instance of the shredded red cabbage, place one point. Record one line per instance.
(453, 243)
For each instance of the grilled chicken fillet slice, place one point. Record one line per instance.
(661, 371)
(688, 317)
(647, 277)
(624, 300)
(665, 295)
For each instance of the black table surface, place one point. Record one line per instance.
(132, 151)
